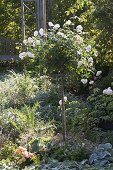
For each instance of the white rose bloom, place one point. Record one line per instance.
(79, 28)
(31, 55)
(61, 34)
(79, 53)
(65, 98)
(50, 24)
(83, 33)
(68, 22)
(56, 26)
(79, 39)
(104, 91)
(22, 55)
(90, 60)
(41, 31)
(35, 33)
(84, 81)
(80, 63)
(91, 82)
(98, 73)
(75, 17)
(60, 102)
(25, 41)
(88, 48)
(30, 40)
(108, 91)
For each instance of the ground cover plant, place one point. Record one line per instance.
(32, 131)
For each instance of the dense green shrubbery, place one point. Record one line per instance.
(76, 112)
(105, 81)
(101, 106)
(17, 90)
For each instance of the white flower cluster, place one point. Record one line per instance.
(24, 54)
(90, 60)
(98, 73)
(88, 48)
(79, 39)
(50, 24)
(61, 34)
(60, 101)
(108, 91)
(55, 27)
(79, 29)
(67, 23)
(91, 82)
(32, 41)
(85, 80)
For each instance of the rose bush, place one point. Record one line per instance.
(63, 50)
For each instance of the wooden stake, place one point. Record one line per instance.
(63, 112)
(23, 19)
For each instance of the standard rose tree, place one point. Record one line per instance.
(62, 51)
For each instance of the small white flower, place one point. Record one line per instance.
(65, 98)
(90, 60)
(91, 82)
(68, 22)
(79, 28)
(98, 73)
(80, 63)
(35, 33)
(108, 91)
(79, 39)
(22, 55)
(60, 102)
(25, 41)
(83, 33)
(30, 40)
(75, 17)
(88, 48)
(84, 81)
(56, 26)
(50, 24)
(79, 53)
(31, 55)
(61, 34)
(41, 31)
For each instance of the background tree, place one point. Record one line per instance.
(97, 18)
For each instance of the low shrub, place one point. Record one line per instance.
(16, 90)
